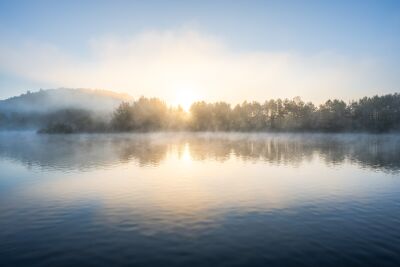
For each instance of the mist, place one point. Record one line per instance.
(88, 108)
(84, 110)
(91, 152)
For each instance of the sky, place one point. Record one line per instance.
(182, 51)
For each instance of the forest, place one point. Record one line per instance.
(375, 114)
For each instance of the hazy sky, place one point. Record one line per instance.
(213, 50)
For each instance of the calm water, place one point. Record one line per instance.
(199, 200)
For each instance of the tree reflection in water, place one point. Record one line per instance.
(88, 151)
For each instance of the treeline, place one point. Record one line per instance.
(369, 114)
(60, 121)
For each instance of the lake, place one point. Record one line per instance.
(181, 199)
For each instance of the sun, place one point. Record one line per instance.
(185, 98)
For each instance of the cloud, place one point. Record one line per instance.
(165, 63)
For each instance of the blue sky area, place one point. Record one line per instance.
(367, 31)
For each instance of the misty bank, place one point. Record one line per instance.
(93, 111)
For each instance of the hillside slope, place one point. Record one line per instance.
(50, 100)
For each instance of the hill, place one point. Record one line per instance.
(84, 109)
(51, 100)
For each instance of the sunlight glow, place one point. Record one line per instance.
(185, 98)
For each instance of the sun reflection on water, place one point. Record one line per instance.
(170, 180)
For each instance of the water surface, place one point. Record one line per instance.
(199, 200)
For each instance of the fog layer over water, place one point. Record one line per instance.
(179, 199)
(82, 152)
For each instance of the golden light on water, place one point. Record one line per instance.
(168, 180)
(185, 157)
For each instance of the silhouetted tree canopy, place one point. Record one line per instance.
(368, 114)
(376, 114)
